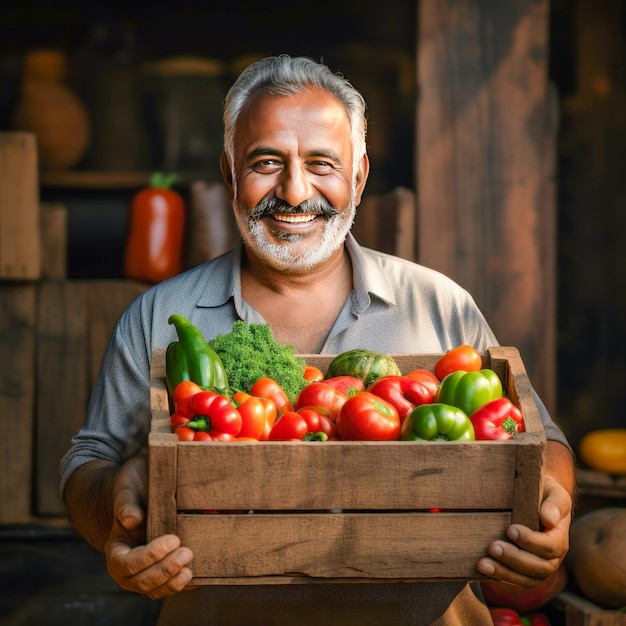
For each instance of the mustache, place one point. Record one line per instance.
(272, 206)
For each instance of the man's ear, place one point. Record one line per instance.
(227, 175)
(362, 172)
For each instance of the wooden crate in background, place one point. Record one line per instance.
(19, 207)
(384, 490)
(75, 321)
(17, 365)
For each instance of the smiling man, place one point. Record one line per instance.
(295, 165)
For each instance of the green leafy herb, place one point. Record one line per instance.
(250, 352)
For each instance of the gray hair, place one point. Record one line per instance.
(284, 75)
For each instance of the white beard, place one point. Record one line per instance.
(294, 255)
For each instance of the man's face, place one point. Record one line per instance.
(295, 190)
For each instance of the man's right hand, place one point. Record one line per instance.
(154, 570)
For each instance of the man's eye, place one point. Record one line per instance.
(321, 167)
(266, 165)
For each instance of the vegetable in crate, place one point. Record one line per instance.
(362, 364)
(366, 417)
(469, 390)
(499, 419)
(307, 424)
(437, 422)
(464, 357)
(403, 392)
(250, 352)
(191, 358)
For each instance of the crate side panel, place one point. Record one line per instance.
(161, 484)
(348, 475)
(379, 546)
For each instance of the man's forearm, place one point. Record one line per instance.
(88, 500)
(560, 465)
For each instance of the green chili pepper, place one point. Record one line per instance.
(191, 358)
(437, 422)
(470, 390)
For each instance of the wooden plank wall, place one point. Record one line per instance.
(75, 321)
(486, 134)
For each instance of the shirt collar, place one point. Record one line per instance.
(369, 279)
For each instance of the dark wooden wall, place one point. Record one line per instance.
(486, 133)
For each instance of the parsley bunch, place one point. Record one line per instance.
(250, 352)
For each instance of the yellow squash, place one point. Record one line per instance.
(604, 450)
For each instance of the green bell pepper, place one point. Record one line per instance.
(191, 358)
(470, 390)
(437, 422)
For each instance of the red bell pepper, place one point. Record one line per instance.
(307, 424)
(214, 415)
(497, 420)
(250, 406)
(403, 392)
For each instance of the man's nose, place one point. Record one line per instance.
(294, 187)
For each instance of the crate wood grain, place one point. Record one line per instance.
(19, 207)
(344, 511)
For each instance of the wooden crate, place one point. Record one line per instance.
(344, 511)
(581, 612)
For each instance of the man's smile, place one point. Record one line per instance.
(294, 218)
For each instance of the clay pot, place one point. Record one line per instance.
(48, 107)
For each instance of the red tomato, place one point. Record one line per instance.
(178, 420)
(202, 435)
(322, 395)
(301, 426)
(463, 357)
(426, 377)
(183, 393)
(269, 388)
(366, 417)
(185, 389)
(346, 384)
(313, 374)
(184, 433)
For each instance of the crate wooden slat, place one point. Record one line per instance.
(295, 491)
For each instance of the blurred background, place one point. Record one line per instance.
(501, 126)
